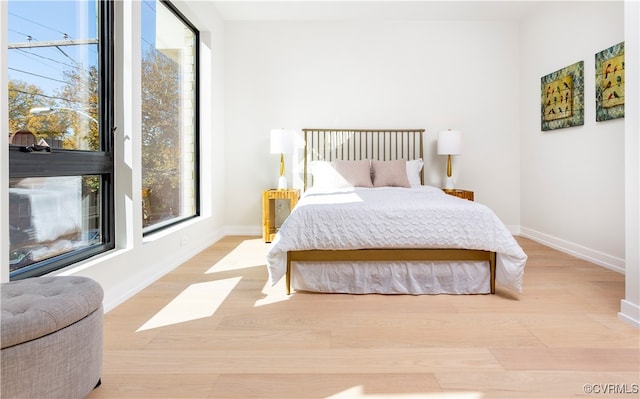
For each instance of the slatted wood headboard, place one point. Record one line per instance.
(358, 144)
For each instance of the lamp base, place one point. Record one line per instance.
(448, 183)
(282, 183)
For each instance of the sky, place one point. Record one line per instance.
(47, 21)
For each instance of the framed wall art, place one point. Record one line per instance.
(562, 98)
(610, 83)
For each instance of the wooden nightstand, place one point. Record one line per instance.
(276, 206)
(460, 193)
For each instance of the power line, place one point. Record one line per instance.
(33, 59)
(148, 4)
(46, 96)
(149, 43)
(30, 54)
(38, 23)
(35, 74)
(29, 37)
(67, 55)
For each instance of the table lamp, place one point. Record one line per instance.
(449, 143)
(281, 143)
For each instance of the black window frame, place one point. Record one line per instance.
(196, 140)
(60, 162)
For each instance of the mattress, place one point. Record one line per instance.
(392, 217)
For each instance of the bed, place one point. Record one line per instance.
(366, 223)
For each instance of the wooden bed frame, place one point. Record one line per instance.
(346, 144)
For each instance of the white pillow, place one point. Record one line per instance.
(324, 175)
(390, 173)
(413, 172)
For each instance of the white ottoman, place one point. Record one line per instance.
(51, 336)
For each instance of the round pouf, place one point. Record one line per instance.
(51, 336)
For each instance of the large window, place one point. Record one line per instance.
(60, 133)
(169, 116)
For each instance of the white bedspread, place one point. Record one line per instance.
(390, 217)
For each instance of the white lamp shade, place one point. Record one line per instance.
(449, 142)
(281, 141)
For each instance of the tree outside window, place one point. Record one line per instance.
(169, 123)
(60, 98)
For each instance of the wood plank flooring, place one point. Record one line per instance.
(214, 328)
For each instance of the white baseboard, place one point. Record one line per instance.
(599, 258)
(120, 294)
(243, 231)
(629, 313)
(514, 229)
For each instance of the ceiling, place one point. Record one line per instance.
(416, 10)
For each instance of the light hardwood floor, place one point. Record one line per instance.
(212, 328)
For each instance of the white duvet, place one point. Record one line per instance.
(390, 217)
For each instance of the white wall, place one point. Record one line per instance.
(136, 262)
(572, 179)
(374, 74)
(630, 305)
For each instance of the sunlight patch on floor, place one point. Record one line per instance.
(250, 253)
(273, 294)
(358, 392)
(196, 302)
